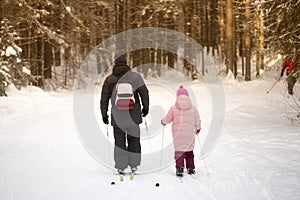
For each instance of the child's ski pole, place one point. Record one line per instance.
(161, 155)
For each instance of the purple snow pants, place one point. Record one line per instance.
(189, 159)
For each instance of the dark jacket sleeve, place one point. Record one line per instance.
(143, 92)
(105, 96)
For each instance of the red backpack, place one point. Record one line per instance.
(124, 96)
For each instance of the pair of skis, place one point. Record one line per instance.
(131, 176)
(121, 177)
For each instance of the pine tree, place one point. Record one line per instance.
(12, 69)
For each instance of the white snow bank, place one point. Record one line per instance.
(257, 157)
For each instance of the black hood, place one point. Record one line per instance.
(120, 70)
(120, 61)
(121, 66)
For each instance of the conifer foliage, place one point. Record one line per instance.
(12, 69)
(57, 35)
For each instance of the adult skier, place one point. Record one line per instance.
(127, 91)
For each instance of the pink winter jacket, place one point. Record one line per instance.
(186, 121)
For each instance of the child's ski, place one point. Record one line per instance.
(121, 177)
(180, 178)
(193, 176)
(132, 176)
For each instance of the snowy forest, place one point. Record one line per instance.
(238, 62)
(44, 42)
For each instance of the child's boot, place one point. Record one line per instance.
(179, 171)
(191, 171)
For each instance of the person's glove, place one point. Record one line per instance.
(198, 131)
(145, 112)
(105, 119)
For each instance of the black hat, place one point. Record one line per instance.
(120, 60)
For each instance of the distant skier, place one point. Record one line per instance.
(186, 123)
(127, 91)
(289, 66)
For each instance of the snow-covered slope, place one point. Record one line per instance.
(257, 156)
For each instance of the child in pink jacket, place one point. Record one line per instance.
(186, 124)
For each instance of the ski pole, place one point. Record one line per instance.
(162, 146)
(109, 154)
(161, 155)
(147, 131)
(273, 85)
(107, 131)
(109, 151)
(146, 125)
(201, 154)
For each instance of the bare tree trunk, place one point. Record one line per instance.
(214, 31)
(136, 56)
(261, 39)
(2, 15)
(247, 42)
(42, 56)
(120, 10)
(257, 63)
(48, 60)
(29, 46)
(222, 31)
(188, 31)
(66, 66)
(172, 58)
(54, 64)
(256, 42)
(234, 48)
(146, 51)
(229, 36)
(206, 24)
(242, 50)
(159, 60)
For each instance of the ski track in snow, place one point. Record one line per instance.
(257, 157)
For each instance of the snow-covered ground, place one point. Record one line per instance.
(257, 156)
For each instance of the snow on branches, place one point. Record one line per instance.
(12, 69)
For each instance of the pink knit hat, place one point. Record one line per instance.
(182, 90)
